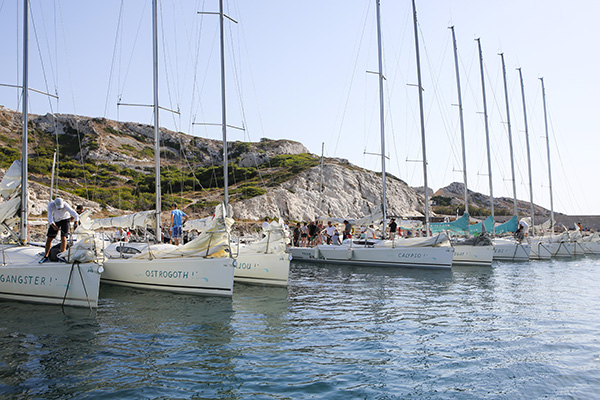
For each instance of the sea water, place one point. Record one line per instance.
(511, 331)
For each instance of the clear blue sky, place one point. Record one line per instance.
(297, 70)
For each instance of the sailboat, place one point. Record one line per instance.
(538, 250)
(479, 250)
(558, 245)
(505, 248)
(203, 266)
(22, 278)
(265, 261)
(423, 252)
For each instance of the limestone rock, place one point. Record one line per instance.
(347, 193)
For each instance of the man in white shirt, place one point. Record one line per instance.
(329, 231)
(59, 217)
(370, 233)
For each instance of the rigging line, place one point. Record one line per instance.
(53, 73)
(56, 81)
(499, 166)
(352, 75)
(194, 44)
(437, 97)
(208, 62)
(190, 60)
(441, 104)
(114, 56)
(562, 164)
(47, 90)
(238, 77)
(17, 69)
(42, 64)
(166, 65)
(252, 83)
(74, 102)
(195, 71)
(121, 89)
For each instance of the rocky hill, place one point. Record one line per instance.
(502, 205)
(110, 165)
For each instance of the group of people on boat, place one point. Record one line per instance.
(312, 233)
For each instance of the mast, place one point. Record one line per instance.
(24, 206)
(548, 149)
(528, 149)
(462, 124)
(512, 160)
(422, 117)
(156, 109)
(224, 111)
(381, 114)
(487, 130)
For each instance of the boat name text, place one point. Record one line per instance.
(243, 265)
(167, 274)
(23, 279)
(410, 255)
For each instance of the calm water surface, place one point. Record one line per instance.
(513, 331)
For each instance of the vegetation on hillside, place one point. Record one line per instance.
(129, 188)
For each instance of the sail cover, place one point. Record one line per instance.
(488, 226)
(509, 226)
(137, 220)
(460, 226)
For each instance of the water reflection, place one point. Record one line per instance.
(42, 347)
(335, 332)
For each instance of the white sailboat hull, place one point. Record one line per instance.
(262, 269)
(473, 255)
(510, 250)
(22, 278)
(556, 248)
(304, 253)
(587, 247)
(562, 249)
(540, 250)
(406, 257)
(189, 275)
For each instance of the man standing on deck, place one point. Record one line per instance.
(59, 217)
(393, 227)
(178, 218)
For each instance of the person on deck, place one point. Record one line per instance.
(178, 218)
(80, 210)
(59, 217)
(370, 232)
(297, 232)
(304, 236)
(329, 232)
(335, 240)
(347, 230)
(393, 227)
(312, 233)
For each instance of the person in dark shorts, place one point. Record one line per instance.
(178, 218)
(393, 227)
(59, 218)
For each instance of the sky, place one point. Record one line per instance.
(301, 71)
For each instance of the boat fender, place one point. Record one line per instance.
(349, 254)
